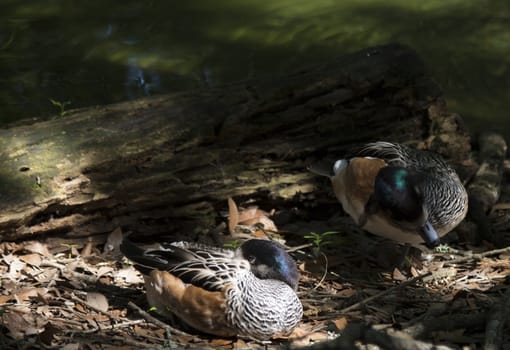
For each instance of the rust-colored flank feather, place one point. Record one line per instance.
(360, 177)
(199, 308)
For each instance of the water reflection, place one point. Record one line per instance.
(101, 52)
(140, 82)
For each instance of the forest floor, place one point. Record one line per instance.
(55, 295)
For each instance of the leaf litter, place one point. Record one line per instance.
(77, 296)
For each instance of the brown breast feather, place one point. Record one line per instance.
(200, 308)
(360, 177)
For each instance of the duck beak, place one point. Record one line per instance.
(429, 235)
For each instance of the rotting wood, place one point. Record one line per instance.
(484, 189)
(166, 164)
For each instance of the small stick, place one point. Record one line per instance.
(325, 271)
(387, 291)
(149, 318)
(478, 256)
(474, 257)
(90, 306)
(299, 247)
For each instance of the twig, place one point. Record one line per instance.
(496, 323)
(149, 318)
(385, 292)
(90, 306)
(299, 247)
(325, 272)
(478, 256)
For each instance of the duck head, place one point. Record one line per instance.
(397, 193)
(269, 260)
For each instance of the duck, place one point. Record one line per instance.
(395, 191)
(249, 292)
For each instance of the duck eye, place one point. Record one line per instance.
(251, 259)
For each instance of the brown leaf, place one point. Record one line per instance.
(250, 216)
(80, 308)
(129, 275)
(27, 293)
(268, 224)
(39, 248)
(87, 249)
(414, 272)
(340, 323)
(5, 298)
(305, 335)
(398, 276)
(218, 342)
(240, 344)
(233, 215)
(98, 301)
(33, 259)
(254, 216)
(259, 234)
(141, 331)
(15, 266)
(15, 323)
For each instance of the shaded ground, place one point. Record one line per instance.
(61, 296)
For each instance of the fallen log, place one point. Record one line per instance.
(166, 164)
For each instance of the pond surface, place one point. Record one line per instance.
(79, 53)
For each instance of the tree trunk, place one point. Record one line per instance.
(166, 164)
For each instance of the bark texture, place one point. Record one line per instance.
(166, 164)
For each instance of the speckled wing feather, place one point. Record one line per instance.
(210, 274)
(203, 250)
(407, 157)
(209, 268)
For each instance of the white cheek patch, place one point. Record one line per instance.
(340, 165)
(263, 270)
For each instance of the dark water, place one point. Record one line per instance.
(98, 52)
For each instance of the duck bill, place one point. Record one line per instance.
(429, 235)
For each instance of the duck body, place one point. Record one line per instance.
(400, 193)
(249, 292)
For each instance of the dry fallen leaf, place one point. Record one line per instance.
(39, 248)
(254, 216)
(233, 215)
(15, 266)
(33, 259)
(218, 342)
(340, 323)
(129, 275)
(397, 275)
(97, 300)
(87, 249)
(250, 216)
(16, 324)
(305, 334)
(5, 298)
(27, 293)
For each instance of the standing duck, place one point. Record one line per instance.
(401, 193)
(247, 292)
